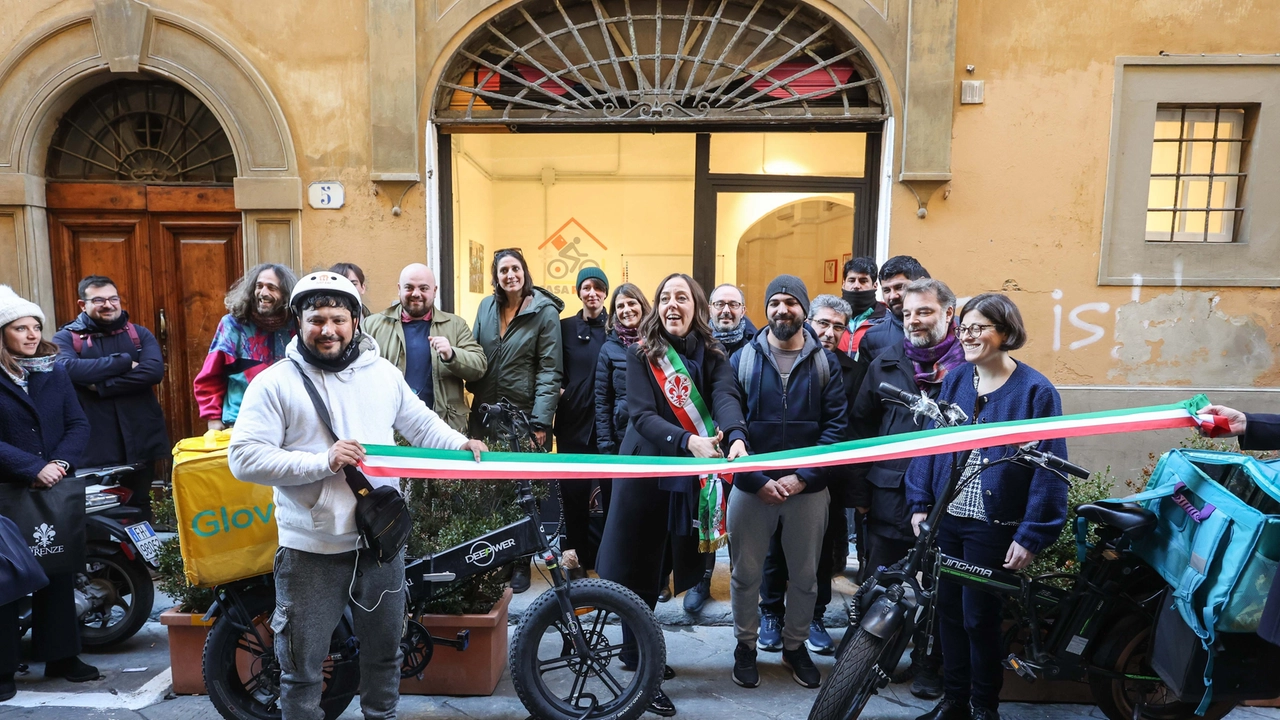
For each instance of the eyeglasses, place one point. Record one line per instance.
(100, 301)
(823, 325)
(514, 250)
(974, 330)
(731, 304)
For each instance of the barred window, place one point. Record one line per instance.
(1197, 173)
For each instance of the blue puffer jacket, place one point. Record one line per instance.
(611, 395)
(801, 414)
(1033, 499)
(39, 426)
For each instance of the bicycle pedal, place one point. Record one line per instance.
(1024, 671)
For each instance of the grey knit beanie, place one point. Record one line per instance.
(13, 306)
(788, 285)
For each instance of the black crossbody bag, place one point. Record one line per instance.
(382, 516)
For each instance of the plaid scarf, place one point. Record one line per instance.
(932, 363)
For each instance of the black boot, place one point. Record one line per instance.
(73, 669)
(980, 713)
(948, 709)
(661, 705)
(520, 577)
(8, 688)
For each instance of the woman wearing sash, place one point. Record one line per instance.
(683, 401)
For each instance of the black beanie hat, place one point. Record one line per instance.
(788, 285)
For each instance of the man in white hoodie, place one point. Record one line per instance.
(280, 441)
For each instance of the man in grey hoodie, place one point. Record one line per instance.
(280, 441)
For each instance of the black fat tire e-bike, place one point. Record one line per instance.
(1094, 626)
(565, 655)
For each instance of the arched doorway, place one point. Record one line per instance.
(807, 238)
(741, 80)
(139, 188)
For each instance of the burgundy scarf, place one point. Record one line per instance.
(932, 363)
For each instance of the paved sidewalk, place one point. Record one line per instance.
(702, 657)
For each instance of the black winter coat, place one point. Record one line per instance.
(581, 340)
(124, 414)
(879, 486)
(802, 414)
(39, 426)
(611, 395)
(1262, 432)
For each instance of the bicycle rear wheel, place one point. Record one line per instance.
(556, 682)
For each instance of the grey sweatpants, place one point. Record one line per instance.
(311, 594)
(752, 523)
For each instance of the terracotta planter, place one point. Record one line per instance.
(474, 671)
(187, 633)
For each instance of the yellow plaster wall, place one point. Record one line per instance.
(315, 60)
(1025, 209)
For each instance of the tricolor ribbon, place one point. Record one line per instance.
(393, 461)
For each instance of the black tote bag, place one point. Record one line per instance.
(50, 522)
(20, 574)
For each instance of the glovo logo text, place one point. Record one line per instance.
(208, 523)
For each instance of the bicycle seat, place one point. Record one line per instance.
(1129, 518)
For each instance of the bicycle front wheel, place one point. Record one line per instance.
(612, 680)
(853, 680)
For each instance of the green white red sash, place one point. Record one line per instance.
(393, 461)
(690, 409)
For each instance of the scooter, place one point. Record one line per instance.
(114, 593)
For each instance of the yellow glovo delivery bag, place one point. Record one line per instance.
(227, 528)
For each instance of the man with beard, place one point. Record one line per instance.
(861, 278)
(896, 274)
(434, 349)
(794, 398)
(250, 337)
(320, 569)
(115, 366)
(829, 319)
(729, 321)
(918, 364)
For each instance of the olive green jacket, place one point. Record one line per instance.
(526, 364)
(468, 362)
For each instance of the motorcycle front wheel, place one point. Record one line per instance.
(121, 594)
(242, 675)
(853, 680)
(611, 681)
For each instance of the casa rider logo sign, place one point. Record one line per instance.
(482, 553)
(43, 536)
(572, 253)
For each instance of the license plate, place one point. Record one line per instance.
(145, 538)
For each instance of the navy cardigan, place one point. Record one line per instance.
(1033, 499)
(41, 427)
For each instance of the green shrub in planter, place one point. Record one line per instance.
(172, 579)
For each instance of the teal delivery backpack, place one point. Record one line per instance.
(1216, 542)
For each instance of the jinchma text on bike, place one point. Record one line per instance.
(1094, 626)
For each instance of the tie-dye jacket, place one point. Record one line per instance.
(239, 352)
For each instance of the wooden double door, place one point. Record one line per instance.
(172, 252)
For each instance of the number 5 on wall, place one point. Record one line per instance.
(326, 195)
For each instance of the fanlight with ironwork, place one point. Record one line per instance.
(141, 131)
(572, 61)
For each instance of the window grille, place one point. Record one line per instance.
(141, 131)
(575, 61)
(1197, 173)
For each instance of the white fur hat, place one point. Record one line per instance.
(13, 306)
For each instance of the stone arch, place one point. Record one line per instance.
(52, 67)
(452, 30)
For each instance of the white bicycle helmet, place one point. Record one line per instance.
(323, 281)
